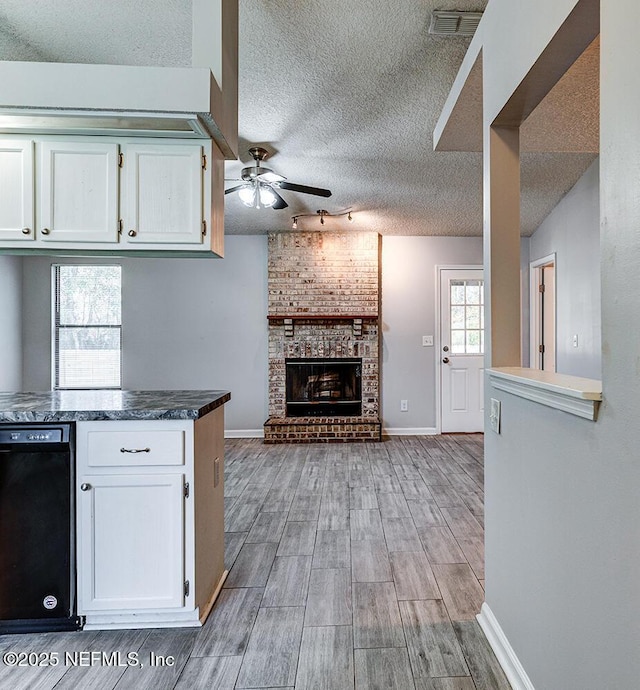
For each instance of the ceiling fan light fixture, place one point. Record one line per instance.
(247, 196)
(267, 197)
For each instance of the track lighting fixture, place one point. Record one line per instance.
(323, 213)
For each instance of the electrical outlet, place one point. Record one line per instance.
(575, 340)
(404, 406)
(427, 341)
(494, 415)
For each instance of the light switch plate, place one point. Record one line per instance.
(427, 341)
(494, 415)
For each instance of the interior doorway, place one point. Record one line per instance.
(461, 349)
(543, 313)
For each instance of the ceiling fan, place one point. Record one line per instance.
(261, 185)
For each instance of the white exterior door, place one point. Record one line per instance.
(16, 190)
(131, 542)
(162, 194)
(461, 356)
(78, 192)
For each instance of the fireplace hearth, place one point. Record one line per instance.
(323, 387)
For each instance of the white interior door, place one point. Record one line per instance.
(461, 355)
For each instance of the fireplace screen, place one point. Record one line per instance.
(323, 387)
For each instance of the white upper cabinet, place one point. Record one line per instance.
(162, 194)
(78, 185)
(16, 190)
(79, 195)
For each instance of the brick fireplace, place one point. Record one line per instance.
(324, 355)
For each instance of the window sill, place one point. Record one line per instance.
(571, 394)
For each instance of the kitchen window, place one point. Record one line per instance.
(87, 338)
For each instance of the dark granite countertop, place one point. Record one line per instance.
(95, 405)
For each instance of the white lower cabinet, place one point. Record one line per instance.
(135, 541)
(150, 532)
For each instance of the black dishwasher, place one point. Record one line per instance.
(37, 515)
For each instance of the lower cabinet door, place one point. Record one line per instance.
(131, 532)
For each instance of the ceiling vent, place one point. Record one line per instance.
(454, 23)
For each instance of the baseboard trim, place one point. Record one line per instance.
(513, 669)
(401, 431)
(244, 433)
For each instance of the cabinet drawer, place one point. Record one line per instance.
(135, 448)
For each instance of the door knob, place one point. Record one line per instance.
(445, 360)
(445, 348)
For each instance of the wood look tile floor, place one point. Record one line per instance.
(352, 567)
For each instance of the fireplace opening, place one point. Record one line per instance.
(323, 387)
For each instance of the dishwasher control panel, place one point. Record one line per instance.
(17, 435)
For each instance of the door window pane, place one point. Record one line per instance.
(457, 292)
(466, 316)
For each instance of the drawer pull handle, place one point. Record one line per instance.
(135, 450)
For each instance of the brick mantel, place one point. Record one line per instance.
(324, 303)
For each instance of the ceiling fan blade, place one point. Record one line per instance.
(304, 189)
(280, 202)
(236, 188)
(269, 176)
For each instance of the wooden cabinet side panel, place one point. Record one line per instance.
(216, 200)
(209, 504)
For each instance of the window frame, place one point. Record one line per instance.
(55, 327)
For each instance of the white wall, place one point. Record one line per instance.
(187, 323)
(10, 323)
(572, 231)
(409, 312)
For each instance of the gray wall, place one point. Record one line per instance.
(562, 508)
(409, 312)
(195, 323)
(187, 323)
(572, 231)
(10, 323)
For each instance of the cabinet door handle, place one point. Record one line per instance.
(26, 231)
(135, 450)
(132, 233)
(85, 487)
(45, 231)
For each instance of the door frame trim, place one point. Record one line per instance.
(438, 334)
(534, 305)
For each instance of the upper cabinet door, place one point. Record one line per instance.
(162, 195)
(78, 192)
(16, 190)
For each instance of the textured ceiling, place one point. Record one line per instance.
(343, 95)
